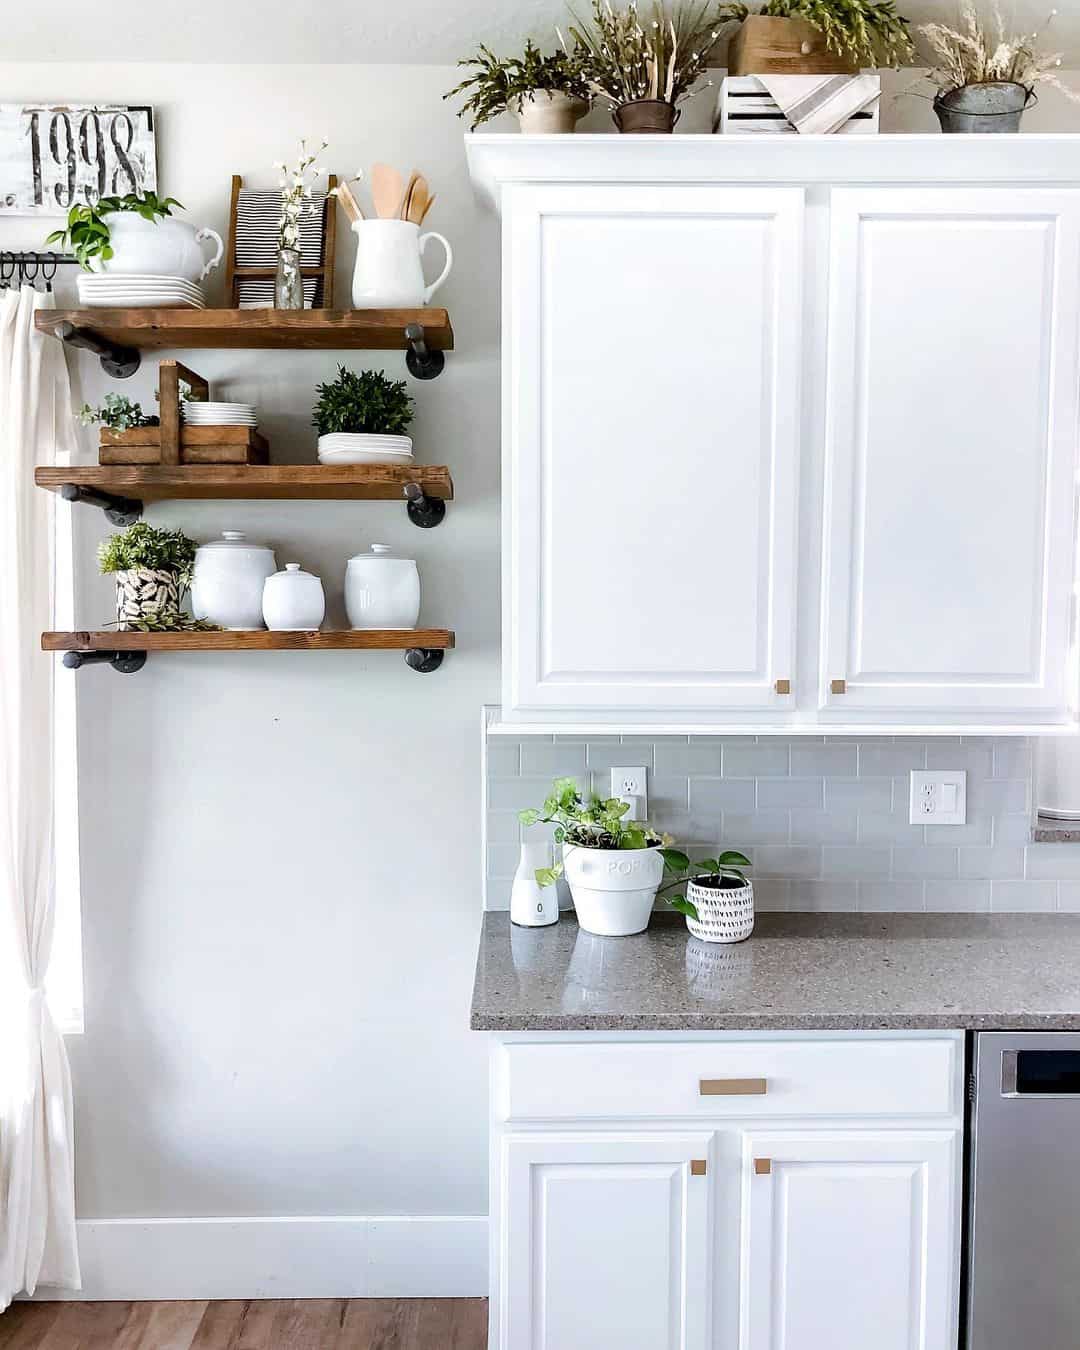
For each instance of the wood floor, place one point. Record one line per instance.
(250, 1324)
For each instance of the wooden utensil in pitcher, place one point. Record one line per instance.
(406, 196)
(387, 188)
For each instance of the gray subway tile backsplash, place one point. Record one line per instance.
(825, 821)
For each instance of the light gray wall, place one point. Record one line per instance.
(281, 860)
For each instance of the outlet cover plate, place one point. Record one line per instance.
(632, 783)
(938, 797)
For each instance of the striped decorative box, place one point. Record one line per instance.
(744, 106)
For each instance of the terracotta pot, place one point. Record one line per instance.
(547, 112)
(647, 116)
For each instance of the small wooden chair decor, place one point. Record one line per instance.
(173, 443)
(251, 258)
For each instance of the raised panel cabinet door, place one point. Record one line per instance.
(605, 1242)
(651, 371)
(951, 444)
(851, 1241)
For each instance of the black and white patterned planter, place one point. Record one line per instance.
(725, 913)
(143, 592)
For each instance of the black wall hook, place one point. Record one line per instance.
(125, 663)
(425, 511)
(118, 510)
(424, 659)
(423, 362)
(118, 361)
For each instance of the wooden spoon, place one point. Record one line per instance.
(418, 201)
(427, 207)
(349, 204)
(406, 196)
(387, 189)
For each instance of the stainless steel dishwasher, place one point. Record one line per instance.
(1023, 1245)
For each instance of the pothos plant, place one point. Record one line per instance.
(712, 873)
(500, 84)
(593, 822)
(87, 232)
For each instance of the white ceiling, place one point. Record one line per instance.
(342, 31)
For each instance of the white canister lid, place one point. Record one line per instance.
(294, 570)
(235, 541)
(379, 553)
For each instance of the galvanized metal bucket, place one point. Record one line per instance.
(995, 106)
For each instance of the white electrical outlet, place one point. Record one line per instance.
(630, 783)
(938, 797)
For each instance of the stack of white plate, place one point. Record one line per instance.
(351, 448)
(219, 414)
(138, 291)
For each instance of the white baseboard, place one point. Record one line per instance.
(396, 1256)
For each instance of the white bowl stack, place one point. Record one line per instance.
(138, 291)
(218, 414)
(350, 448)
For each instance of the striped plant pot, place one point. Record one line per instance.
(725, 913)
(142, 592)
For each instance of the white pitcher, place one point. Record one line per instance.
(388, 272)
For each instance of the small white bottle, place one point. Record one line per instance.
(533, 905)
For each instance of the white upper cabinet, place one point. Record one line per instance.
(652, 357)
(790, 431)
(951, 450)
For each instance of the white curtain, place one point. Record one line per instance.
(37, 1178)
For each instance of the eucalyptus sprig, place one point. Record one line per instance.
(87, 233)
(116, 412)
(166, 621)
(500, 84)
(706, 871)
(593, 822)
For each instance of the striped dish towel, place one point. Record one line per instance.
(257, 216)
(821, 103)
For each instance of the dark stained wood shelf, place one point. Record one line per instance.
(304, 329)
(254, 640)
(317, 482)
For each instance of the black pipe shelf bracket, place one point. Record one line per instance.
(125, 663)
(118, 510)
(424, 659)
(423, 362)
(118, 361)
(425, 511)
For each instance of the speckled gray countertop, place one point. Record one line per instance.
(797, 972)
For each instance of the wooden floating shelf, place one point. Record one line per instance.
(314, 482)
(304, 329)
(253, 640)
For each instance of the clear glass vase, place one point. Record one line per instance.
(288, 284)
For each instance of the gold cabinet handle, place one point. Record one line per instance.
(698, 1167)
(762, 1167)
(838, 686)
(783, 686)
(733, 1087)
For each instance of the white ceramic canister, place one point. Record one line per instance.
(160, 248)
(227, 588)
(382, 590)
(293, 601)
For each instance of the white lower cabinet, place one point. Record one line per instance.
(850, 1241)
(607, 1241)
(772, 1216)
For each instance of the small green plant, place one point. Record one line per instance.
(141, 545)
(867, 32)
(87, 232)
(168, 621)
(500, 84)
(714, 873)
(592, 822)
(117, 413)
(366, 403)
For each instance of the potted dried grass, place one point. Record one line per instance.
(985, 80)
(643, 68)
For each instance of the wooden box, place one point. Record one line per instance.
(174, 443)
(763, 45)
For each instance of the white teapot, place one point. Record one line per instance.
(160, 248)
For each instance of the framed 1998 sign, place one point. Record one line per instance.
(53, 157)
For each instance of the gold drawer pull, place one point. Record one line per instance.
(733, 1087)
(783, 686)
(762, 1167)
(698, 1167)
(838, 687)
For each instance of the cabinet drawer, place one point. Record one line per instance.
(771, 1077)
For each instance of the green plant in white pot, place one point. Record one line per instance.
(153, 572)
(613, 866)
(137, 233)
(717, 899)
(545, 93)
